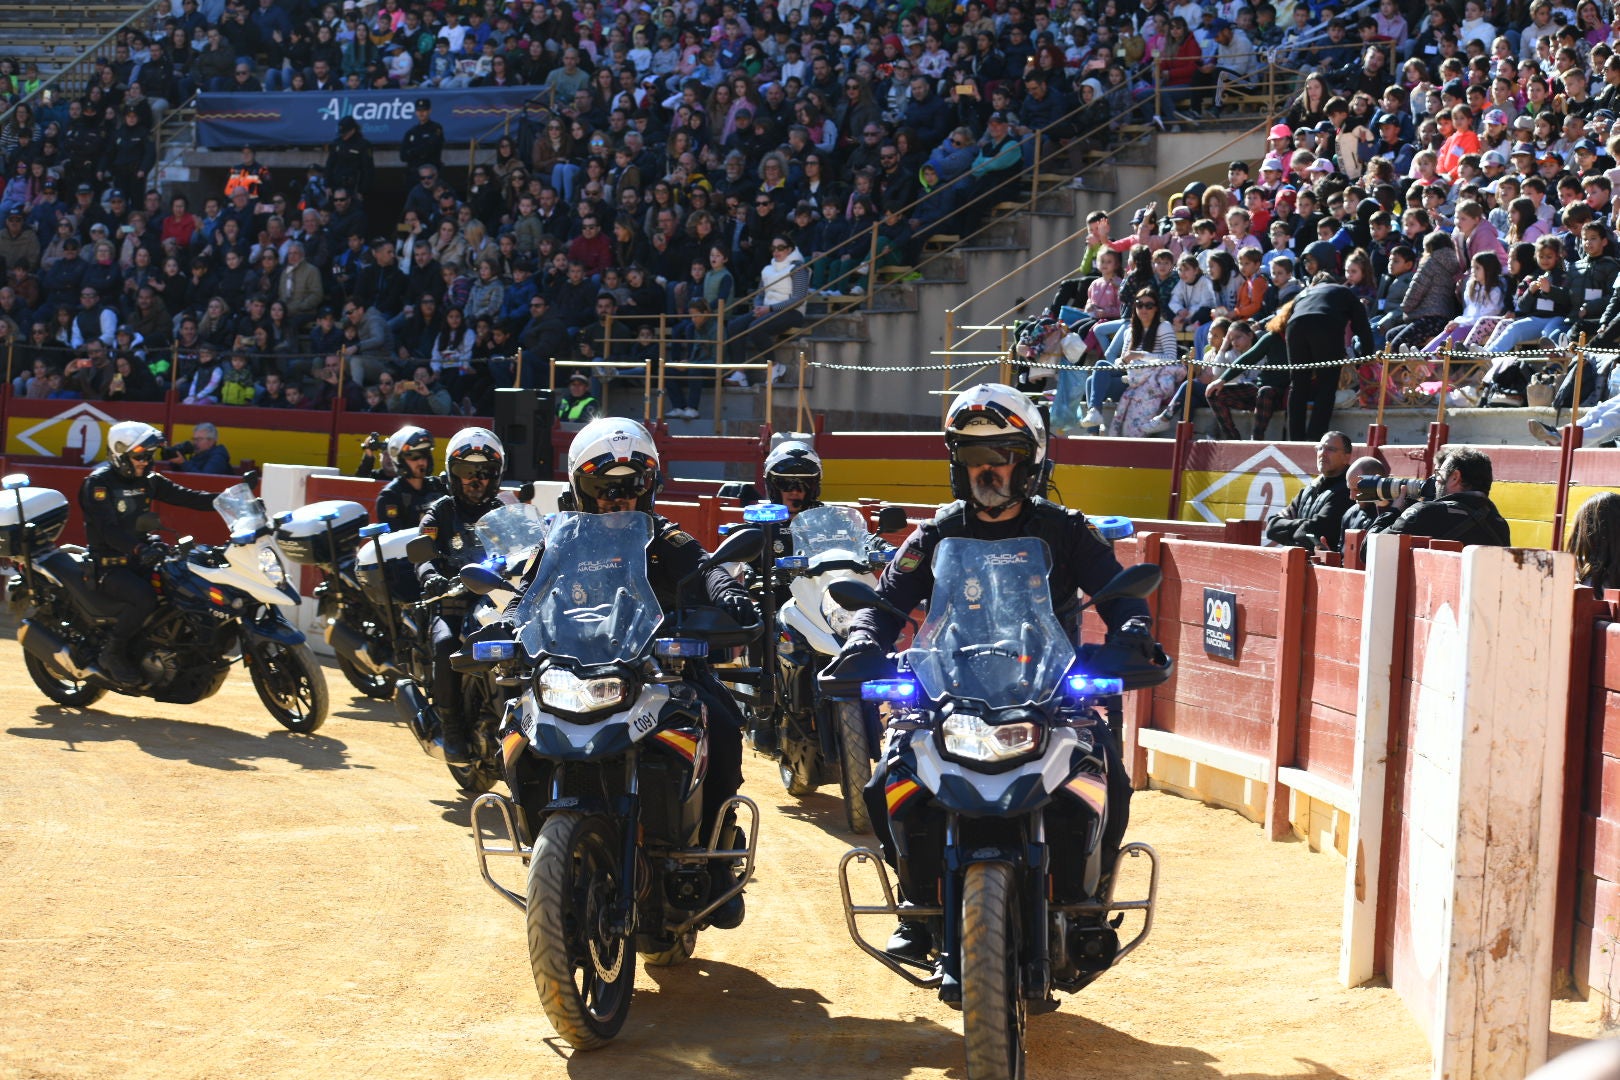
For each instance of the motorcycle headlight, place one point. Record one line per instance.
(270, 566)
(562, 690)
(837, 618)
(970, 738)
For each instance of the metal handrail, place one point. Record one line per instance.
(71, 72)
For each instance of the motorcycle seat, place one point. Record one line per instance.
(77, 575)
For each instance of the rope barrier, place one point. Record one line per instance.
(1408, 355)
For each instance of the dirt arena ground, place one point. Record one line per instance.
(192, 892)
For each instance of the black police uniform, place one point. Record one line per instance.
(112, 504)
(671, 556)
(1468, 517)
(449, 523)
(401, 506)
(423, 145)
(1081, 561)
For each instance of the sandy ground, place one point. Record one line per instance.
(192, 892)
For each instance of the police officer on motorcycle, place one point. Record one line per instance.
(116, 495)
(406, 497)
(613, 466)
(474, 461)
(793, 477)
(998, 467)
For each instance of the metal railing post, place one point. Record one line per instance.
(719, 365)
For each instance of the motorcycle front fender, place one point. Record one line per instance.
(273, 627)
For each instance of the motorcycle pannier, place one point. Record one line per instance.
(44, 508)
(303, 534)
(374, 578)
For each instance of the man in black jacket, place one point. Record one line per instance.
(1363, 513)
(1314, 519)
(349, 162)
(113, 499)
(1461, 510)
(1315, 335)
(424, 143)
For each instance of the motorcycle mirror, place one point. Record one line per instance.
(14, 481)
(251, 478)
(420, 549)
(742, 545)
(855, 595)
(892, 519)
(481, 579)
(1139, 581)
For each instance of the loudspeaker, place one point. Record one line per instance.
(523, 420)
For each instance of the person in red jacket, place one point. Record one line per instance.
(591, 248)
(1179, 77)
(1462, 141)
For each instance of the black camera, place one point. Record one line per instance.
(374, 443)
(1392, 488)
(185, 449)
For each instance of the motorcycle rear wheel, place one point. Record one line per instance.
(64, 690)
(379, 687)
(585, 975)
(291, 684)
(992, 998)
(855, 770)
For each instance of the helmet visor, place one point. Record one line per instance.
(615, 484)
(475, 470)
(972, 453)
(145, 450)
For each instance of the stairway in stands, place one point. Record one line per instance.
(53, 35)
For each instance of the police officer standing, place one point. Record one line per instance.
(997, 445)
(424, 143)
(474, 460)
(113, 498)
(349, 161)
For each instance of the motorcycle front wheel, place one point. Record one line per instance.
(584, 972)
(855, 761)
(992, 999)
(379, 687)
(290, 683)
(62, 689)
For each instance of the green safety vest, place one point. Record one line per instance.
(572, 410)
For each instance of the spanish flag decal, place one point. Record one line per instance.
(1090, 789)
(898, 792)
(680, 742)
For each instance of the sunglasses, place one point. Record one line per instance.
(144, 456)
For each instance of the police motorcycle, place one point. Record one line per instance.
(995, 736)
(818, 735)
(510, 537)
(215, 604)
(605, 754)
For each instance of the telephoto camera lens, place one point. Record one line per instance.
(1389, 488)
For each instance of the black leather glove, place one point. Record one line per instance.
(1137, 634)
(148, 553)
(434, 585)
(739, 607)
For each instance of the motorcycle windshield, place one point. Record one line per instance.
(241, 511)
(990, 634)
(591, 601)
(829, 528)
(513, 532)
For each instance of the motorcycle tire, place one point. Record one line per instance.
(64, 690)
(483, 774)
(798, 772)
(291, 684)
(855, 764)
(585, 984)
(379, 687)
(992, 998)
(678, 953)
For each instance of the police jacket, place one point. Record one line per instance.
(671, 556)
(423, 145)
(402, 506)
(1316, 512)
(112, 503)
(448, 522)
(1468, 517)
(1081, 561)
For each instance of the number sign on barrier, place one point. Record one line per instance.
(1220, 623)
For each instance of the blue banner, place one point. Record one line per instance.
(310, 118)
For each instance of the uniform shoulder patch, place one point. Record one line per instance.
(430, 531)
(909, 560)
(98, 493)
(677, 538)
(391, 510)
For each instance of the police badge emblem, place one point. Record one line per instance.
(580, 595)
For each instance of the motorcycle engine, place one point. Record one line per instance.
(160, 666)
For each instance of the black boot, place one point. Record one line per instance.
(118, 667)
(911, 941)
(456, 751)
(763, 735)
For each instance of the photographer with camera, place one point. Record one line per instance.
(1313, 519)
(202, 454)
(1453, 504)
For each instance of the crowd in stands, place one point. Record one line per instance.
(701, 167)
(1454, 168)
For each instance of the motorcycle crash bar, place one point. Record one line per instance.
(487, 845)
(889, 908)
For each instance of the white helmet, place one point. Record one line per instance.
(793, 461)
(992, 424)
(411, 439)
(129, 437)
(474, 451)
(613, 458)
